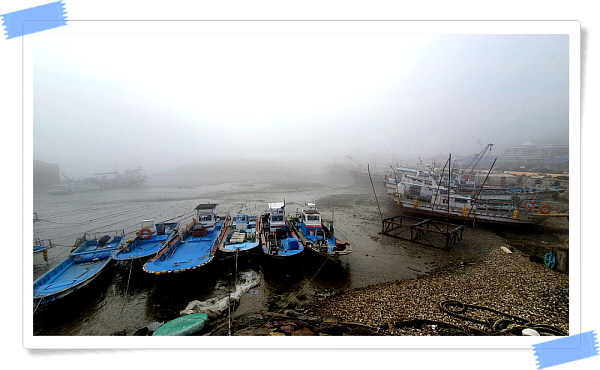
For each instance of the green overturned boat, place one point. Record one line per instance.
(184, 325)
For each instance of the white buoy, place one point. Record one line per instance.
(530, 333)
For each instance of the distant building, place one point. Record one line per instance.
(535, 157)
(45, 174)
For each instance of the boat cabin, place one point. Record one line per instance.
(241, 221)
(455, 200)
(433, 193)
(206, 215)
(311, 216)
(276, 216)
(148, 224)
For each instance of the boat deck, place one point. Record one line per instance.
(141, 248)
(289, 246)
(240, 239)
(185, 253)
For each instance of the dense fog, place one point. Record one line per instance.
(106, 102)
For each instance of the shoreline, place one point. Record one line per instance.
(506, 282)
(494, 290)
(511, 283)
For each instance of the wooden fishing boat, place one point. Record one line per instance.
(193, 246)
(316, 236)
(277, 238)
(148, 241)
(428, 199)
(240, 234)
(81, 266)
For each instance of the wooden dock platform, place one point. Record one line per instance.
(435, 234)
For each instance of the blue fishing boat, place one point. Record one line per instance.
(240, 234)
(191, 247)
(149, 240)
(40, 245)
(276, 237)
(316, 236)
(80, 267)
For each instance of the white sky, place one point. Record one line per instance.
(163, 101)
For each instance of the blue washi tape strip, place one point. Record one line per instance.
(571, 348)
(36, 19)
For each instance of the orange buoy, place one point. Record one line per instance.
(144, 234)
(545, 209)
(528, 205)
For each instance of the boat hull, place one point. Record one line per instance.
(326, 245)
(182, 326)
(476, 216)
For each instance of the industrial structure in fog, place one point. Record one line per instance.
(48, 176)
(535, 157)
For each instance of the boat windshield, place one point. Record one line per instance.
(148, 224)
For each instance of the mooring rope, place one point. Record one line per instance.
(38, 305)
(125, 296)
(500, 326)
(229, 319)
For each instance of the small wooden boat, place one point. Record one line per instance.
(149, 240)
(316, 236)
(276, 237)
(240, 234)
(81, 266)
(193, 246)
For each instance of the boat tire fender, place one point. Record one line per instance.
(550, 260)
(144, 234)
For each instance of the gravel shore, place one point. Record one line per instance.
(508, 283)
(485, 272)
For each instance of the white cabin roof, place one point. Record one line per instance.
(276, 205)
